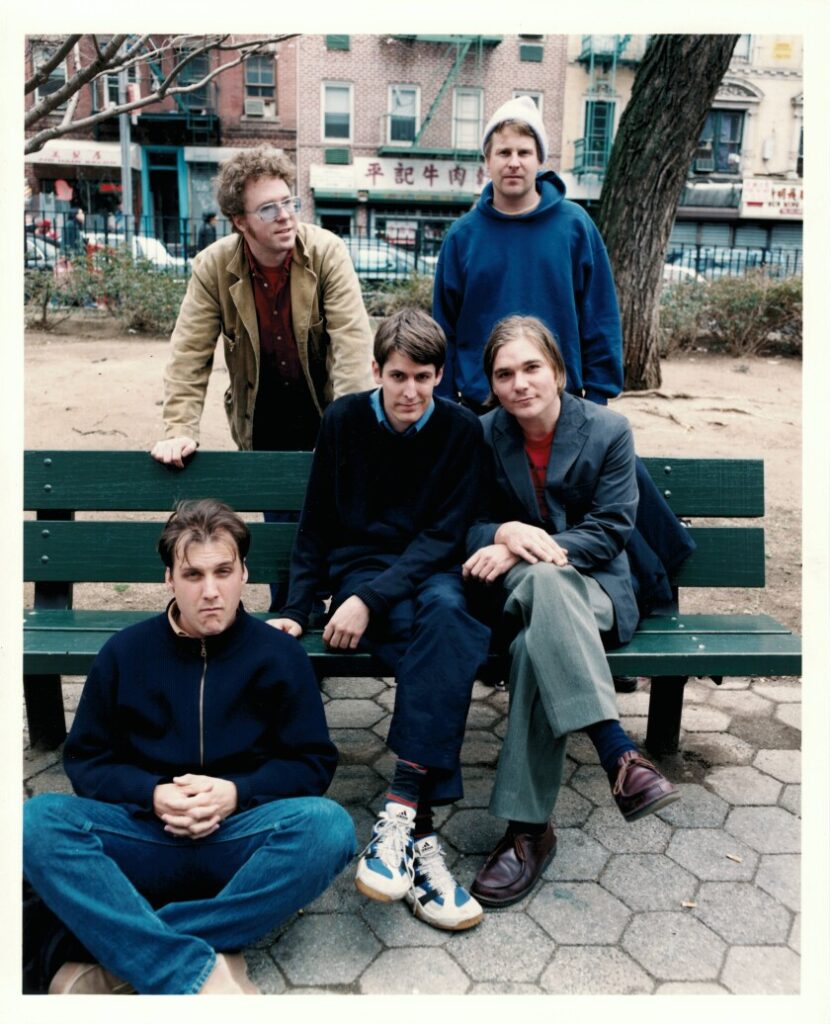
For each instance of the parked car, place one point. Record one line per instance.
(142, 247)
(375, 260)
(673, 273)
(40, 253)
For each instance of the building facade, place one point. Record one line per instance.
(745, 184)
(390, 126)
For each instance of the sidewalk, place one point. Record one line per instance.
(702, 897)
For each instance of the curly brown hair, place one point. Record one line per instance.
(248, 165)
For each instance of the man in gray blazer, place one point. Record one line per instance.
(562, 501)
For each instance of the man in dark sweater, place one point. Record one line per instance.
(199, 754)
(392, 490)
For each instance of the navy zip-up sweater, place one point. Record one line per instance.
(549, 263)
(396, 503)
(242, 706)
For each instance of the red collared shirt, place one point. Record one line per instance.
(279, 356)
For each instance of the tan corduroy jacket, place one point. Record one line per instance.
(331, 329)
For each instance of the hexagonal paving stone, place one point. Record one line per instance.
(325, 949)
(578, 857)
(594, 970)
(503, 948)
(473, 831)
(352, 714)
(395, 925)
(591, 781)
(707, 854)
(790, 799)
(633, 704)
(674, 946)
(477, 790)
(416, 972)
(741, 913)
(691, 988)
(51, 780)
(696, 808)
(784, 765)
(263, 972)
(743, 784)
(482, 716)
(703, 718)
(766, 733)
(341, 686)
(381, 727)
(789, 714)
(579, 913)
(648, 835)
(781, 690)
(505, 988)
(762, 970)
(356, 746)
(635, 727)
(741, 702)
(355, 783)
(341, 897)
(718, 748)
(571, 809)
(648, 881)
(480, 748)
(780, 876)
(766, 829)
(36, 761)
(581, 749)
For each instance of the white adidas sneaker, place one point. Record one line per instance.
(384, 871)
(435, 896)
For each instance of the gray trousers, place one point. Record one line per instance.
(559, 682)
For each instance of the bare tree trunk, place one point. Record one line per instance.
(657, 136)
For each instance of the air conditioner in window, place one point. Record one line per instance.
(254, 106)
(705, 163)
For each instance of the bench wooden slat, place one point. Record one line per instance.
(125, 552)
(253, 481)
(710, 487)
(133, 481)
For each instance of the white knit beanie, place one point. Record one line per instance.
(523, 109)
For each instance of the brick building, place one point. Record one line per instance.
(389, 126)
(176, 144)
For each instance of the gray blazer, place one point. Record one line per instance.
(590, 492)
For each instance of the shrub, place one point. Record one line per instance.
(739, 315)
(141, 297)
(389, 297)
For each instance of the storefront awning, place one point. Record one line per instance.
(84, 153)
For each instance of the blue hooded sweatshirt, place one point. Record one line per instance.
(549, 263)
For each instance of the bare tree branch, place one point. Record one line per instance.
(41, 75)
(114, 58)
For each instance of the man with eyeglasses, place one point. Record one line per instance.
(287, 304)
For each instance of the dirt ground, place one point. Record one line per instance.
(89, 387)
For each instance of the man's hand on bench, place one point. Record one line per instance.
(348, 624)
(286, 626)
(174, 450)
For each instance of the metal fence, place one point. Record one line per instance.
(170, 243)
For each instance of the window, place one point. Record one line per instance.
(466, 119)
(337, 42)
(41, 52)
(112, 95)
(742, 49)
(535, 96)
(719, 146)
(337, 111)
(192, 72)
(404, 111)
(599, 133)
(260, 86)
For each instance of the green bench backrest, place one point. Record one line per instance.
(60, 549)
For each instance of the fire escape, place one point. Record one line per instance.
(601, 56)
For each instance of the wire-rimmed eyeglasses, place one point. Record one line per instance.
(270, 211)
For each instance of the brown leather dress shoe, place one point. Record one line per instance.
(639, 788)
(514, 867)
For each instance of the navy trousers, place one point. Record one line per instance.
(433, 646)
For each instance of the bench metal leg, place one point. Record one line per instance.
(664, 710)
(44, 711)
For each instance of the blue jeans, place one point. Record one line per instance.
(153, 908)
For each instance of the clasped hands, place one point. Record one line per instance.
(194, 805)
(514, 542)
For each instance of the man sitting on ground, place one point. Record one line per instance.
(391, 493)
(199, 753)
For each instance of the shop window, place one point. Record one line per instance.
(41, 53)
(337, 111)
(719, 146)
(404, 104)
(260, 86)
(466, 118)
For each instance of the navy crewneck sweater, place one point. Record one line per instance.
(398, 503)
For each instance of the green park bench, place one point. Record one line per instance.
(60, 550)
